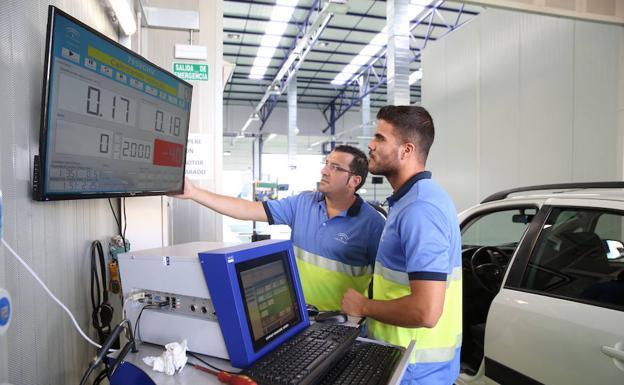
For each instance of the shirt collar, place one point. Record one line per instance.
(398, 194)
(351, 211)
(355, 207)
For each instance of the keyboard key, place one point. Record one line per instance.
(365, 363)
(305, 358)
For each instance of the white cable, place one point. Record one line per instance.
(50, 294)
(131, 297)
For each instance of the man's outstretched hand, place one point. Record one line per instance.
(189, 188)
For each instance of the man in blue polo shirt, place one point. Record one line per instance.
(334, 232)
(417, 287)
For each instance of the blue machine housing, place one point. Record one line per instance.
(219, 267)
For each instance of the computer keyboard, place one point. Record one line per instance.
(305, 358)
(366, 363)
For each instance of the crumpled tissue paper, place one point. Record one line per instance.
(172, 359)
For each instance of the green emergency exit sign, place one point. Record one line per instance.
(191, 71)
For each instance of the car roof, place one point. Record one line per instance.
(591, 190)
(541, 197)
(609, 194)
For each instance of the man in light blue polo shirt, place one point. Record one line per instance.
(334, 232)
(417, 287)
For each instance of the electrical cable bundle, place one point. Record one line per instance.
(102, 311)
(104, 350)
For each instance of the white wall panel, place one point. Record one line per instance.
(41, 347)
(541, 109)
(500, 156)
(546, 98)
(595, 123)
(456, 149)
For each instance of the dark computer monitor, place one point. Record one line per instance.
(113, 124)
(266, 287)
(257, 295)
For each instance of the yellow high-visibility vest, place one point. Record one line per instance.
(324, 280)
(438, 344)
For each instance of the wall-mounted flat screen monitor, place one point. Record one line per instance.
(113, 124)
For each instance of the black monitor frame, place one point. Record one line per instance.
(40, 161)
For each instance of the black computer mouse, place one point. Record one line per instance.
(332, 316)
(312, 310)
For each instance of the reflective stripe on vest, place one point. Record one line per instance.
(324, 281)
(438, 344)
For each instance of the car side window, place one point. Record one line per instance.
(499, 228)
(579, 255)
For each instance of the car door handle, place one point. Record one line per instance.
(612, 352)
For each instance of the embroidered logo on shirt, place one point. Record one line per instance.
(342, 237)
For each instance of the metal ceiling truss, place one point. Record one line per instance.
(350, 94)
(349, 13)
(329, 27)
(344, 63)
(307, 35)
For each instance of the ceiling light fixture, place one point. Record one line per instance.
(415, 76)
(234, 36)
(125, 15)
(275, 90)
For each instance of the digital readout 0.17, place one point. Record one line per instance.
(77, 95)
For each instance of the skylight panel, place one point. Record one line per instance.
(276, 28)
(270, 40)
(280, 15)
(265, 52)
(260, 61)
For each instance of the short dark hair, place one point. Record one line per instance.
(359, 164)
(414, 125)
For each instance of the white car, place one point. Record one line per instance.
(544, 286)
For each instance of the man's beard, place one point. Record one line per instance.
(381, 169)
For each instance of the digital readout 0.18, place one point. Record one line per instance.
(158, 120)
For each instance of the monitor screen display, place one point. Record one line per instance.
(113, 123)
(269, 297)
